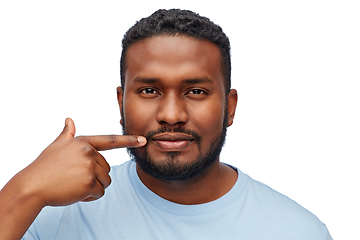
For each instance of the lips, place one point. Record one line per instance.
(172, 142)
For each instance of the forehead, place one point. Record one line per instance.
(173, 57)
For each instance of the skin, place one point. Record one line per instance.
(71, 169)
(174, 81)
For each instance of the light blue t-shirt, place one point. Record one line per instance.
(129, 210)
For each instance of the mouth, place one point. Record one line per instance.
(172, 142)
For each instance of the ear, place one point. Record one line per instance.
(231, 102)
(119, 92)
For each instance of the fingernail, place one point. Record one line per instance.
(66, 121)
(141, 140)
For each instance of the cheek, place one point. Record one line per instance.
(208, 118)
(137, 117)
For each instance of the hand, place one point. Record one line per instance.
(71, 169)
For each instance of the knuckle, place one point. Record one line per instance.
(90, 181)
(90, 166)
(79, 139)
(108, 182)
(112, 140)
(100, 193)
(89, 150)
(108, 168)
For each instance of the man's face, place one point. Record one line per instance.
(174, 95)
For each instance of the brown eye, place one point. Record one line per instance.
(196, 91)
(148, 91)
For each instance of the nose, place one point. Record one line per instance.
(172, 110)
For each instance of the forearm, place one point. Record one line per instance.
(19, 207)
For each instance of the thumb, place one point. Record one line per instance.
(68, 131)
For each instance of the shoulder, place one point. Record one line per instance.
(278, 212)
(264, 196)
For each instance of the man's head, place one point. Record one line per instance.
(174, 93)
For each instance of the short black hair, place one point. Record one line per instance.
(173, 22)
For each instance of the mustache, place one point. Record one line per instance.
(179, 129)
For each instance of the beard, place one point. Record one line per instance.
(170, 169)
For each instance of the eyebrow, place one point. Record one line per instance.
(187, 81)
(198, 80)
(146, 80)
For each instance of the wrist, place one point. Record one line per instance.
(27, 191)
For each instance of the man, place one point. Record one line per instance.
(176, 103)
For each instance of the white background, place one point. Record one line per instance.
(296, 66)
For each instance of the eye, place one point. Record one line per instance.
(197, 93)
(148, 92)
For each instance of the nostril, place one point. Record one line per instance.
(173, 119)
(172, 111)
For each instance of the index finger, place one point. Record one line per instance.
(107, 142)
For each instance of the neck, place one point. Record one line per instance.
(207, 187)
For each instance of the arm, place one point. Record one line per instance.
(18, 209)
(67, 171)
